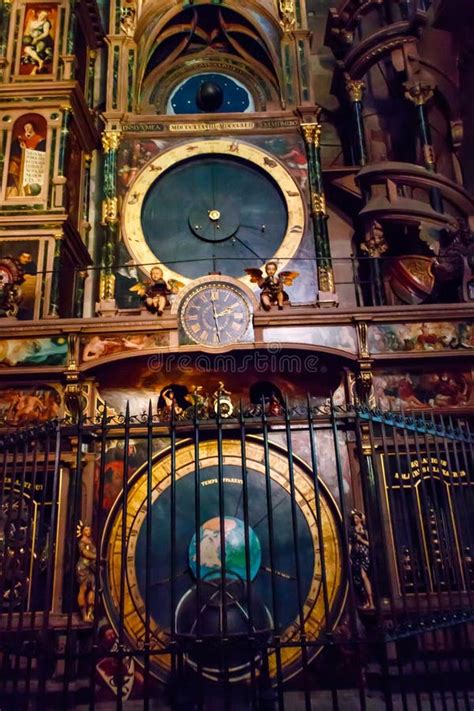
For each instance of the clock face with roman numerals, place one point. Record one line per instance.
(215, 314)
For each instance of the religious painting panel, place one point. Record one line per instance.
(38, 40)
(27, 168)
(439, 387)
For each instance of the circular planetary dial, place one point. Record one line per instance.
(266, 590)
(213, 206)
(215, 314)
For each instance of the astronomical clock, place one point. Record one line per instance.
(216, 205)
(272, 582)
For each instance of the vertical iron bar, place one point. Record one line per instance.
(299, 592)
(31, 544)
(426, 602)
(245, 502)
(271, 534)
(99, 560)
(148, 561)
(434, 572)
(174, 650)
(19, 624)
(372, 498)
(346, 557)
(197, 534)
(123, 560)
(322, 554)
(458, 569)
(406, 525)
(70, 656)
(56, 429)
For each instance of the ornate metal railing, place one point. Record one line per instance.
(252, 558)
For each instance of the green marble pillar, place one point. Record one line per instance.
(110, 143)
(355, 88)
(312, 135)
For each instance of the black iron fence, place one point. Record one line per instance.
(222, 559)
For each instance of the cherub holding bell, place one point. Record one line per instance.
(271, 284)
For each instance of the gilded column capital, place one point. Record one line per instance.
(110, 211)
(287, 12)
(318, 204)
(111, 140)
(311, 133)
(419, 93)
(354, 88)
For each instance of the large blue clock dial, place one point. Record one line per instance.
(214, 214)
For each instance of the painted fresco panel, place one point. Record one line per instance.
(427, 336)
(97, 346)
(32, 352)
(446, 386)
(340, 337)
(26, 404)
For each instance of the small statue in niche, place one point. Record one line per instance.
(360, 559)
(85, 571)
(154, 291)
(272, 284)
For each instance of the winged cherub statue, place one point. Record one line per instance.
(154, 291)
(271, 284)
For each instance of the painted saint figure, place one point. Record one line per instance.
(272, 284)
(360, 559)
(154, 291)
(85, 572)
(26, 166)
(38, 43)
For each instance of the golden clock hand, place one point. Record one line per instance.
(227, 310)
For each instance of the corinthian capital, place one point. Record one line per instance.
(419, 92)
(354, 88)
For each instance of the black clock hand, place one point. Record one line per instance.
(214, 313)
(244, 244)
(253, 227)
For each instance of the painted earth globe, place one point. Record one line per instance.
(235, 558)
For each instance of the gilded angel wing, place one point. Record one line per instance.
(139, 288)
(288, 277)
(175, 285)
(255, 275)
